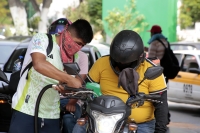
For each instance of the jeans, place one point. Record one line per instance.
(79, 129)
(23, 123)
(147, 127)
(69, 120)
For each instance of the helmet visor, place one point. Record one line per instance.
(58, 26)
(55, 29)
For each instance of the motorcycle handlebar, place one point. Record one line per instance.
(74, 89)
(141, 97)
(137, 98)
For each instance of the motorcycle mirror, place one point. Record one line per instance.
(72, 68)
(153, 72)
(3, 77)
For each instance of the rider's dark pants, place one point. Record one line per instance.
(23, 123)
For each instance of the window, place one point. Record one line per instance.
(97, 55)
(5, 53)
(189, 61)
(179, 57)
(9, 65)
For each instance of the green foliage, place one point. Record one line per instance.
(74, 13)
(8, 31)
(5, 17)
(129, 19)
(95, 13)
(90, 10)
(189, 13)
(39, 1)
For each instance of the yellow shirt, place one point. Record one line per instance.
(101, 72)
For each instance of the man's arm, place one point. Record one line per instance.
(45, 68)
(152, 50)
(161, 111)
(159, 87)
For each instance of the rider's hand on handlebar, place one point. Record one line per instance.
(74, 83)
(59, 88)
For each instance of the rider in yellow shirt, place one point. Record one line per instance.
(127, 51)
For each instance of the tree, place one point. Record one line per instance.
(19, 14)
(95, 13)
(189, 13)
(128, 18)
(90, 10)
(43, 16)
(5, 13)
(73, 13)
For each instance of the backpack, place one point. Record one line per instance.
(169, 62)
(15, 77)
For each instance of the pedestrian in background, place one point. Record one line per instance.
(156, 49)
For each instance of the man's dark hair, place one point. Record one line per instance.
(82, 29)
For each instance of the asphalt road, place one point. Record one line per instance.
(185, 118)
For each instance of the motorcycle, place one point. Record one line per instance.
(5, 104)
(105, 110)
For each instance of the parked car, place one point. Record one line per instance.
(93, 54)
(6, 49)
(103, 48)
(185, 45)
(19, 38)
(185, 88)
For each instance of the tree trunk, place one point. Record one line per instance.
(42, 27)
(19, 16)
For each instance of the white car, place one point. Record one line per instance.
(104, 49)
(185, 88)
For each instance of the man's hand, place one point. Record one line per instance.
(74, 83)
(47, 69)
(71, 107)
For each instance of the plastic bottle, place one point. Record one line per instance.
(18, 64)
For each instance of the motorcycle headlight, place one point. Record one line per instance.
(105, 123)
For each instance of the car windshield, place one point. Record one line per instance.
(103, 49)
(5, 53)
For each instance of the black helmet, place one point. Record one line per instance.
(58, 26)
(126, 51)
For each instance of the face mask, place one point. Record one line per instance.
(68, 47)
